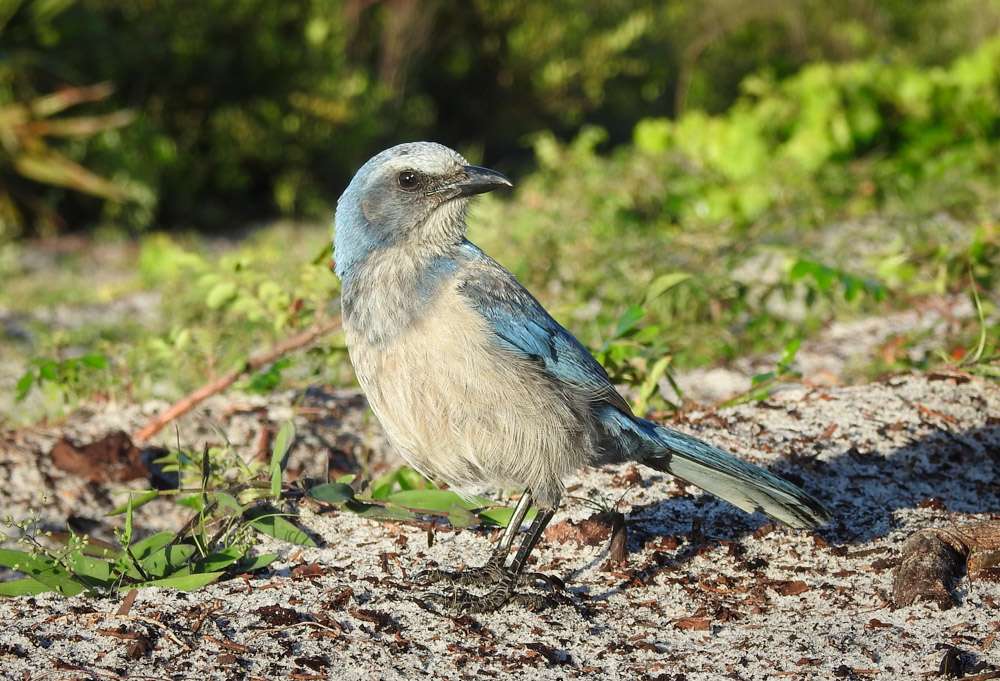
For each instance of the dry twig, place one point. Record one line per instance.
(192, 400)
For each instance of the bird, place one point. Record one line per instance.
(476, 385)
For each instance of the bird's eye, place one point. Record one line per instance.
(408, 180)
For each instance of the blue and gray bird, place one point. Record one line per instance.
(475, 384)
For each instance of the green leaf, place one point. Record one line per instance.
(227, 500)
(790, 351)
(219, 560)
(408, 478)
(664, 283)
(267, 380)
(331, 493)
(460, 517)
(127, 532)
(281, 444)
(23, 587)
(377, 512)
(24, 385)
(629, 319)
(145, 547)
(181, 583)
(268, 521)
(44, 570)
(501, 515)
(48, 370)
(194, 501)
(94, 361)
(168, 559)
(404, 478)
(650, 383)
(93, 568)
(49, 167)
(220, 294)
(256, 563)
(435, 500)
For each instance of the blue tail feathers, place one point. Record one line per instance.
(746, 486)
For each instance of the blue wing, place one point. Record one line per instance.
(523, 327)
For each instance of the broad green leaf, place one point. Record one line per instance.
(281, 444)
(269, 522)
(377, 512)
(154, 542)
(331, 493)
(24, 385)
(408, 478)
(227, 500)
(23, 587)
(220, 294)
(49, 167)
(460, 517)
(256, 563)
(664, 283)
(383, 486)
(220, 560)
(195, 501)
(44, 570)
(93, 568)
(435, 500)
(501, 515)
(167, 560)
(181, 583)
(95, 361)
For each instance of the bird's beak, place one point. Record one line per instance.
(475, 180)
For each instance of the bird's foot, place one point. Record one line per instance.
(503, 593)
(490, 573)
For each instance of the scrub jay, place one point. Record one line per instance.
(475, 383)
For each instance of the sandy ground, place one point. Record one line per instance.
(706, 593)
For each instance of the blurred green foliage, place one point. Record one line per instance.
(247, 109)
(839, 188)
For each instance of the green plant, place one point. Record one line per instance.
(404, 494)
(68, 378)
(231, 499)
(763, 385)
(28, 130)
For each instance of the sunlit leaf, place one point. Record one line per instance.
(283, 440)
(435, 500)
(268, 521)
(44, 570)
(180, 583)
(23, 587)
(331, 493)
(51, 168)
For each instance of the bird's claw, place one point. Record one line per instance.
(504, 583)
(491, 573)
(463, 602)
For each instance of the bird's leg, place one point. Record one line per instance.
(511, 576)
(493, 570)
(507, 579)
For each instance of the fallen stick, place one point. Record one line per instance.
(933, 560)
(192, 400)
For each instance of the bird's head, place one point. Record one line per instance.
(411, 194)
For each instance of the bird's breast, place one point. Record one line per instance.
(462, 409)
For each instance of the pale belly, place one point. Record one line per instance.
(465, 413)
